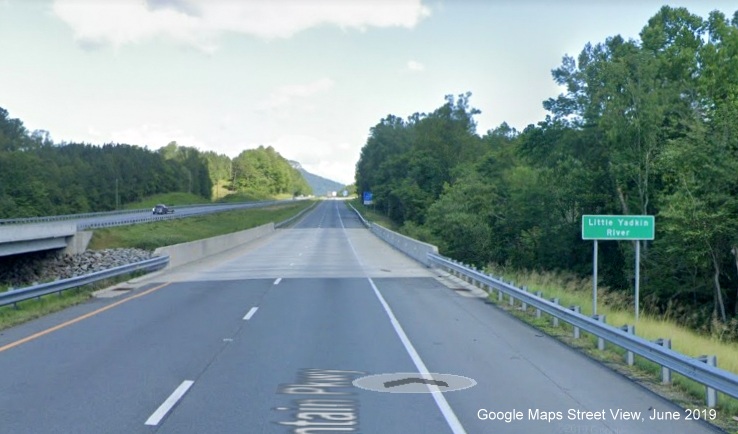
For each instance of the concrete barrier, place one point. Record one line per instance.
(180, 254)
(417, 250)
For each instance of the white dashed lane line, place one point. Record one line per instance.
(167, 405)
(276, 282)
(250, 313)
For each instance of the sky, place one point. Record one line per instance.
(307, 77)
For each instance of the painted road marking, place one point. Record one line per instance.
(78, 319)
(167, 405)
(250, 314)
(446, 410)
(448, 413)
(276, 282)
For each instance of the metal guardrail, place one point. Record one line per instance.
(719, 379)
(37, 291)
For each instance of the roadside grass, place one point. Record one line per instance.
(573, 291)
(149, 236)
(28, 310)
(371, 214)
(169, 199)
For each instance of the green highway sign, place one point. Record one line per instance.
(618, 227)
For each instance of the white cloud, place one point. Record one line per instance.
(286, 94)
(199, 22)
(415, 66)
(123, 22)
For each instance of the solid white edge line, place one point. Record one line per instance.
(448, 413)
(276, 282)
(251, 313)
(167, 405)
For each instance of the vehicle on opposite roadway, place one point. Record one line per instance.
(162, 209)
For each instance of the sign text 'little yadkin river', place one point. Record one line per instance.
(618, 227)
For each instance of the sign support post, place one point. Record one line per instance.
(594, 279)
(637, 277)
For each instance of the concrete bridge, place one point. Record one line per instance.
(26, 238)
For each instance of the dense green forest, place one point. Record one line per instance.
(647, 126)
(39, 177)
(263, 170)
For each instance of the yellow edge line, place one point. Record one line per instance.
(78, 319)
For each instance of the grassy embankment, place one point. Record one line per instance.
(168, 232)
(150, 236)
(573, 291)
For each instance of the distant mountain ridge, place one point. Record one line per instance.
(321, 186)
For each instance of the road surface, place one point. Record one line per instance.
(279, 337)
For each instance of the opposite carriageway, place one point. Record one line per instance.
(71, 232)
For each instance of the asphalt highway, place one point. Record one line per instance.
(319, 328)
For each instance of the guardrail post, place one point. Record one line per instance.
(710, 393)
(539, 294)
(477, 283)
(600, 341)
(486, 288)
(665, 372)
(555, 320)
(499, 295)
(576, 309)
(629, 355)
(524, 305)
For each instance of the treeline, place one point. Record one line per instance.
(646, 126)
(39, 177)
(263, 170)
(260, 172)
